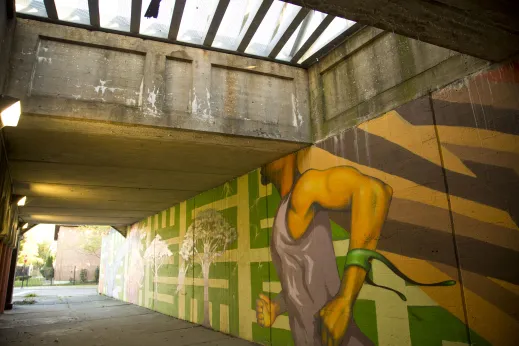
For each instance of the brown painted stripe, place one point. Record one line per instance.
(497, 187)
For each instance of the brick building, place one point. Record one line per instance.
(71, 258)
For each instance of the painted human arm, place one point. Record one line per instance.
(339, 188)
(268, 310)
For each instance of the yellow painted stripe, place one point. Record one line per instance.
(194, 310)
(479, 138)
(224, 318)
(170, 241)
(182, 231)
(392, 317)
(272, 286)
(225, 203)
(415, 295)
(166, 298)
(340, 247)
(147, 272)
(420, 140)
(210, 313)
(266, 223)
(506, 285)
(482, 212)
(244, 275)
(281, 322)
(215, 283)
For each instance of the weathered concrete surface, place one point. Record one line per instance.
(486, 29)
(87, 172)
(83, 320)
(76, 73)
(7, 26)
(375, 71)
(107, 132)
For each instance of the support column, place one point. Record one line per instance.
(10, 283)
(4, 274)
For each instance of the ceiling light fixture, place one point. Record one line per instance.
(21, 201)
(10, 109)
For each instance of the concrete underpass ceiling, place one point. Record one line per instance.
(81, 172)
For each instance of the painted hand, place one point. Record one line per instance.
(334, 321)
(266, 311)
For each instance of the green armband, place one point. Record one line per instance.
(363, 257)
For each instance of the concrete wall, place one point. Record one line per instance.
(76, 73)
(8, 211)
(8, 225)
(436, 196)
(7, 26)
(375, 71)
(70, 255)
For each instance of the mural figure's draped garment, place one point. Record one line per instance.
(309, 277)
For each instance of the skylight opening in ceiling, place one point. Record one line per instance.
(302, 33)
(158, 27)
(75, 11)
(336, 27)
(115, 14)
(276, 21)
(306, 34)
(32, 7)
(235, 22)
(195, 20)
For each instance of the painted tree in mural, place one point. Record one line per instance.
(157, 254)
(206, 239)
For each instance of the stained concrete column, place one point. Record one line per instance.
(10, 283)
(153, 87)
(201, 96)
(4, 275)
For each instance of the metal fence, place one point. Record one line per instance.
(30, 276)
(61, 275)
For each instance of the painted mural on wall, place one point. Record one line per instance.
(320, 305)
(332, 245)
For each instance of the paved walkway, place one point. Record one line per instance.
(77, 316)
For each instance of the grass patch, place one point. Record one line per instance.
(26, 301)
(30, 295)
(31, 282)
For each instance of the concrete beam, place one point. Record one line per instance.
(176, 18)
(215, 22)
(86, 172)
(93, 10)
(277, 44)
(135, 19)
(75, 73)
(312, 38)
(50, 7)
(486, 29)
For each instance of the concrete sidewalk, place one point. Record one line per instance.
(94, 320)
(52, 292)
